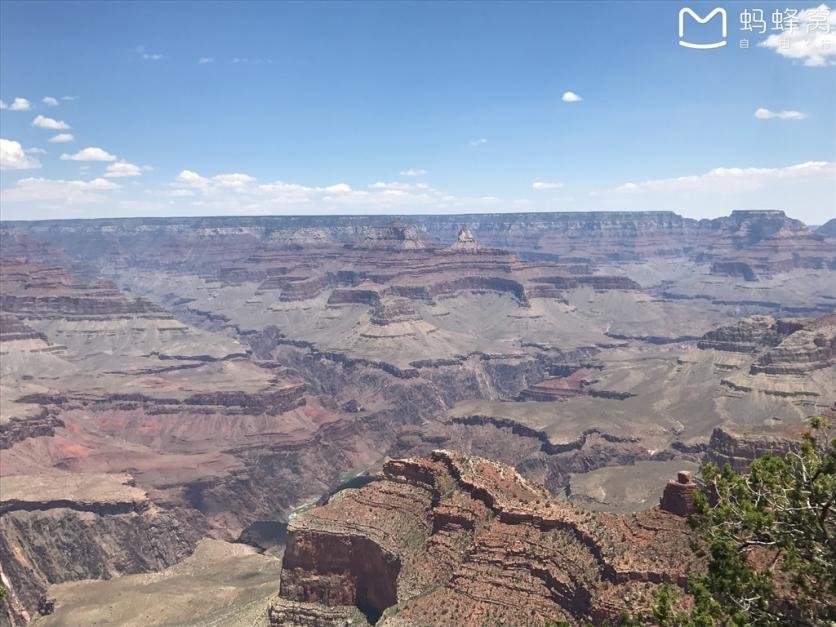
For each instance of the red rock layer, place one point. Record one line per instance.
(462, 540)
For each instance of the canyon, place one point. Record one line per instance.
(390, 417)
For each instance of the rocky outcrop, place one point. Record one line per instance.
(806, 347)
(391, 311)
(828, 229)
(343, 296)
(792, 346)
(734, 269)
(468, 540)
(739, 447)
(465, 242)
(61, 529)
(17, 429)
(13, 328)
(678, 497)
(397, 236)
(750, 335)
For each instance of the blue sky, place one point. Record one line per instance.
(262, 108)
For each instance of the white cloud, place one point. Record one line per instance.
(233, 181)
(148, 56)
(20, 104)
(478, 142)
(188, 178)
(50, 124)
(735, 179)
(205, 60)
(339, 188)
(89, 154)
(13, 157)
(813, 41)
(122, 169)
(766, 114)
(570, 96)
(35, 151)
(803, 190)
(62, 138)
(215, 194)
(57, 190)
(69, 98)
(396, 186)
(50, 101)
(413, 172)
(546, 185)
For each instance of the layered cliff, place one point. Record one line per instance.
(64, 527)
(770, 235)
(461, 540)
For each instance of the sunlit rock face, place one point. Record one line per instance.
(237, 370)
(453, 539)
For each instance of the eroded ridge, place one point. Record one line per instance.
(456, 539)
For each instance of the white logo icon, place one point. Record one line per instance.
(702, 20)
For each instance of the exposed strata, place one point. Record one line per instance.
(828, 229)
(393, 237)
(241, 367)
(739, 446)
(771, 236)
(465, 242)
(63, 527)
(99, 383)
(462, 540)
(750, 335)
(734, 269)
(808, 345)
(678, 497)
(788, 346)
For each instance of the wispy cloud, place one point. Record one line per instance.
(247, 195)
(478, 142)
(734, 179)
(540, 185)
(148, 56)
(205, 60)
(51, 124)
(766, 114)
(813, 41)
(62, 138)
(50, 101)
(58, 191)
(413, 172)
(570, 96)
(14, 157)
(89, 154)
(238, 60)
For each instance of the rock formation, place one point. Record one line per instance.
(465, 242)
(238, 369)
(461, 540)
(64, 527)
(394, 237)
(678, 497)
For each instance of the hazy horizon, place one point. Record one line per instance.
(407, 216)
